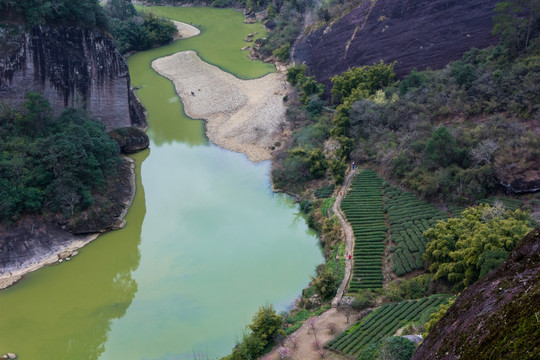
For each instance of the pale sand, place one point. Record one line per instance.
(246, 116)
(185, 31)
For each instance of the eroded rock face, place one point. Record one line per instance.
(69, 66)
(496, 317)
(416, 34)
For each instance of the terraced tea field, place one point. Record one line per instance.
(408, 218)
(364, 211)
(383, 322)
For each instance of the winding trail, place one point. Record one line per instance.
(317, 328)
(349, 236)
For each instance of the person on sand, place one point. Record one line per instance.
(192, 93)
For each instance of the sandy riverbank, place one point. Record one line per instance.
(185, 31)
(245, 116)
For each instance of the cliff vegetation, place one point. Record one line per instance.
(454, 135)
(51, 164)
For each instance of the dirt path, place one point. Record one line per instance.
(307, 342)
(349, 237)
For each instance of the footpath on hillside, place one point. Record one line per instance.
(307, 342)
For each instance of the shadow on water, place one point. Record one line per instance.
(65, 311)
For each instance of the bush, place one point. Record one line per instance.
(363, 300)
(325, 283)
(396, 348)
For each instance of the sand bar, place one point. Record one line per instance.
(185, 31)
(246, 116)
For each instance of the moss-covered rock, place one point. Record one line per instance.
(495, 318)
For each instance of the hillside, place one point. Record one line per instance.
(415, 34)
(495, 318)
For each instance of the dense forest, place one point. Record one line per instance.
(51, 164)
(131, 31)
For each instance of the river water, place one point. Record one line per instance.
(206, 243)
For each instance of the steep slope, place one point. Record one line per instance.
(495, 318)
(416, 34)
(69, 66)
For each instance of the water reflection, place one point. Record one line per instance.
(65, 311)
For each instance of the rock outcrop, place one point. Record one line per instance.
(495, 318)
(69, 66)
(130, 139)
(416, 34)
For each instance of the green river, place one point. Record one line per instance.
(206, 243)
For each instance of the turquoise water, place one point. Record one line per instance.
(207, 241)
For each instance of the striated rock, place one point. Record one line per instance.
(416, 34)
(69, 66)
(130, 139)
(495, 318)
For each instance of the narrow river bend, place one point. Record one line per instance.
(207, 241)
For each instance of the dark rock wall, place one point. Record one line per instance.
(69, 66)
(416, 34)
(495, 318)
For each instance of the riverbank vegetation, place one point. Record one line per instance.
(134, 31)
(51, 164)
(438, 141)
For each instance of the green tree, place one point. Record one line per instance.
(266, 323)
(295, 74)
(338, 167)
(325, 283)
(441, 149)
(516, 21)
(282, 53)
(120, 9)
(361, 82)
(456, 247)
(396, 348)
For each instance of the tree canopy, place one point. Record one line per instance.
(461, 250)
(48, 163)
(87, 13)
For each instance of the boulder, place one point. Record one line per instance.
(130, 139)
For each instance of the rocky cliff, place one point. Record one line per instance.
(495, 318)
(416, 34)
(69, 66)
